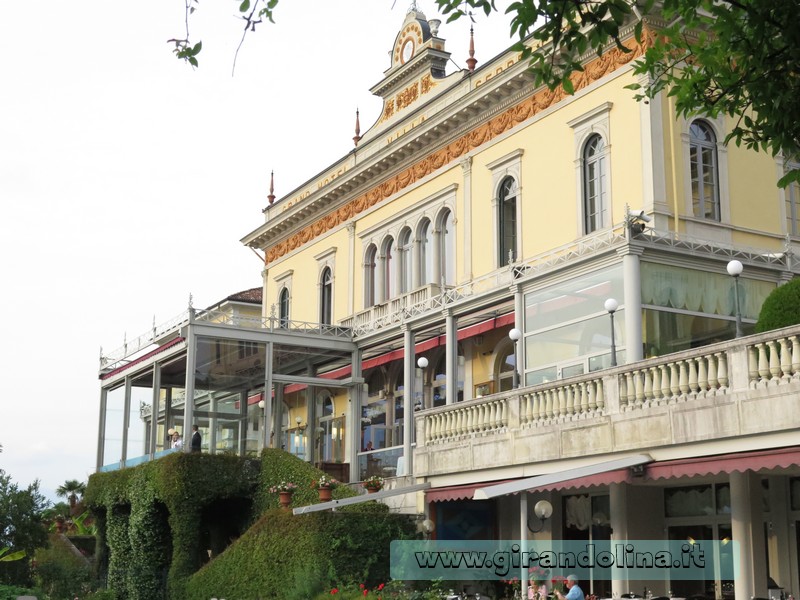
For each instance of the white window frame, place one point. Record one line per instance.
(509, 165)
(718, 129)
(596, 121)
(326, 260)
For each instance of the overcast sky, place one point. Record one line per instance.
(127, 178)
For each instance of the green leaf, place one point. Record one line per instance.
(244, 6)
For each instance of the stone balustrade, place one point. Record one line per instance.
(740, 387)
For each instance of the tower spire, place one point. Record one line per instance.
(471, 61)
(271, 196)
(357, 137)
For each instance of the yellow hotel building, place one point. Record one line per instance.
(505, 294)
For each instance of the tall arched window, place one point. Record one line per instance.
(507, 221)
(369, 275)
(447, 248)
(426, 252)
(326, 297)
(594, 184)
(405, 266)
(283, 308)
(389, 269)
(704, 171)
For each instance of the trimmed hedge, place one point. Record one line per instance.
(156, 522)
(290, 557)
(781, 308)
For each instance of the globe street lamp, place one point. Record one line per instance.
(611, 307)
(515, 335)
(735, 269)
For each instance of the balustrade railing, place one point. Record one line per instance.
(762, 361)
(567, 401)
(774, 362)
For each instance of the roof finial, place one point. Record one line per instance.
(471, 61)
(413, 7)
(357, 137)
(271, 196)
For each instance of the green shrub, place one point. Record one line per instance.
(10, 592)
(61, 572)
(781, 308)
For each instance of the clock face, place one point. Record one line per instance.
(408, 51)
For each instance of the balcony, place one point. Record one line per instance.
(743, 387)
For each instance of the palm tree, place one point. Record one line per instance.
(70, 490)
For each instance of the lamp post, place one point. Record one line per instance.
(422, 363)
(515, 335)
(611, 307)
(735, 269)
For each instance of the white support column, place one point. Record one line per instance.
(351, 265)
(278, 418)
(451, 350)
(747, 527)
(243, 423)
(618, 499)
(632, 278)
(126, 418)
(436, 263)
(191, 359)
(466, 221)
(409, 373)
(354, 416)
(519, 323)
(151, 447)
(523, 536)
(101, 428)
(268, 400)
(212, 425)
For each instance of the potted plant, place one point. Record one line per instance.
(324, 485)
(373, 484)
(284, 489)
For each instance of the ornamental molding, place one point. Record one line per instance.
(458, 148)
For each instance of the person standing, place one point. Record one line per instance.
(197, 441)
(177, 441)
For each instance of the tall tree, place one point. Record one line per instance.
(71, 489)
(21, 527)
(739, 58)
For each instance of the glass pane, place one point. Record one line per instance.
(115, 419)
(723, 493)
(690, 501)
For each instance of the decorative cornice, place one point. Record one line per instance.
(513, 116)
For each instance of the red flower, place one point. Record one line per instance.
(366, 592)
(380, 587)
(361, 585)
(334, 591)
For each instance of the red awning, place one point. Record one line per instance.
(458, 492)
(776, 458)
(759, 460)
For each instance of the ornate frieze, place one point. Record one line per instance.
(513, 116)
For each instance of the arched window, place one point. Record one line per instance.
(369, 276)
(389, 269)
(594, 184)
(283, 308)
(505, 365)
(326, 297)
(426, 252)
(704, 171)
(404, 258)
(447, 248)
(507, 221)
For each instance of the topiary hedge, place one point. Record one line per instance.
(290, 557)
(781, 308)
(157, 522)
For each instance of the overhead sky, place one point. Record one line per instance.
(127, 178)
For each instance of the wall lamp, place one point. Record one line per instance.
(543, 510)
(298, 420)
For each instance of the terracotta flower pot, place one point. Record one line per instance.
(324, 494)
(285, 499)
(373, 490)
